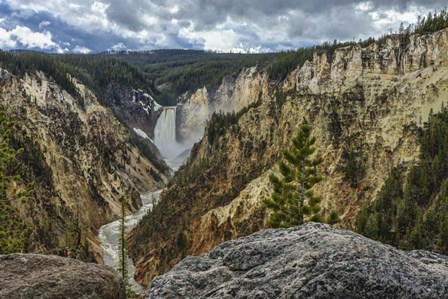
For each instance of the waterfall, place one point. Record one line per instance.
(165, 137)
(165, 130)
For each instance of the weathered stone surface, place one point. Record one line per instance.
(308, 261)
(25, 276)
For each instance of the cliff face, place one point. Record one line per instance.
(134, 108)
(235, 92)
(364, 103)
(81, 160)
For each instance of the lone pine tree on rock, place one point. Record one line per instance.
(292, 199)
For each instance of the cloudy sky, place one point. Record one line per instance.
(88, 26)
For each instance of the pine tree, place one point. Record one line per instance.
(12, 230)
(292, 200)
(122, 250)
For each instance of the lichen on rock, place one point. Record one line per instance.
(24, 276)
(308, 261)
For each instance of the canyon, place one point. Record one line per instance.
(371, 101)
(80, 159)
(206, 162)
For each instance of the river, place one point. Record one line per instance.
(108, 236)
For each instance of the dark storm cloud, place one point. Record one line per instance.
(216, 24)
(206, 14)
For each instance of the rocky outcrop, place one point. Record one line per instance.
(24, 276)
(238, 92)
(308, 261)
(368, 101)
(79, 157)
(235, 92)
(191, 115)
(344, 68)
(134, 108)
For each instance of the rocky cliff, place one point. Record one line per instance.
(52, 277)
(308, 261)
(365, 104)
(80, 158)
(134, 108)
(235, 92)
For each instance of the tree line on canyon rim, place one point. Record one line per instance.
(167, 74)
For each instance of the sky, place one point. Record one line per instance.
(90, 26)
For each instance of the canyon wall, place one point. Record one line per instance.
(134, 108)
(235, 92)
(79, 157)
(366, 102)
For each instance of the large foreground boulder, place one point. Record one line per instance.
(308, 261)
(25, 276)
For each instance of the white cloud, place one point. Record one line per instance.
(81, 50)
(30, 39)
(44, 24)
(223, 40)
(5, 39)
(24, 36)
(82, 14)
(118, 47)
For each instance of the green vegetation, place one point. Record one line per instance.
(220, 122)
(432, 23)
(148, 150)
(354, 167)
(179, 71)
(13, 232)
(19, 64)
(411, 211)
(288, 61)
(292, 198)
(95, 71)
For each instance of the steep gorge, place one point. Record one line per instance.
(371, 100)
(79, 157)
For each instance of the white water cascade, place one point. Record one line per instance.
(165, 138)
(165, 130)
(108, 236)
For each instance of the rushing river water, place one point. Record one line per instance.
(108, 236)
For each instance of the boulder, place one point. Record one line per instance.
(308, 261)
(25, 276)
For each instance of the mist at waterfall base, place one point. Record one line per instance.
(174, 153)
(109, 236)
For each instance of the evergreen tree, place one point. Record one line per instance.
(292, 199)
(122, 250)
(12, 231)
